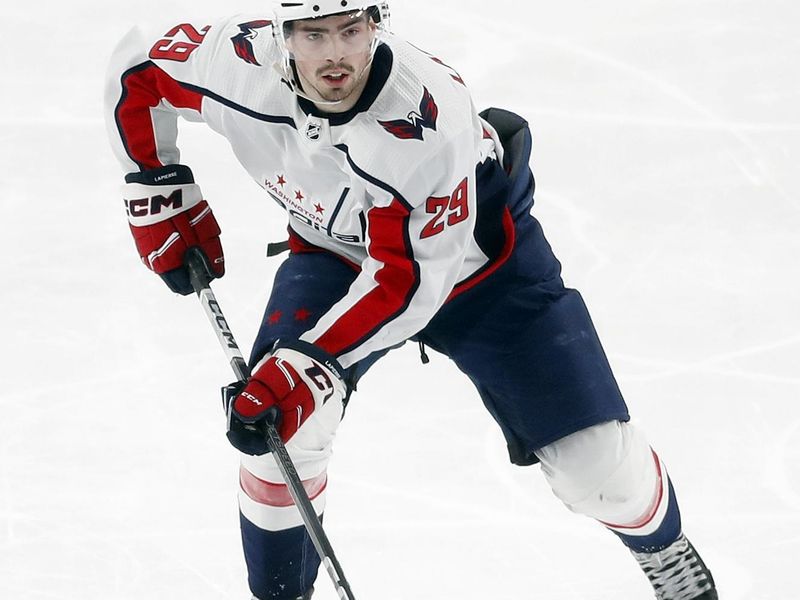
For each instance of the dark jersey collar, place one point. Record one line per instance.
(381, 68)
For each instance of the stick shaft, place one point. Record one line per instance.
(224, 334)
(312, 522)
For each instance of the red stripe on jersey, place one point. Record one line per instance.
(143, 89)
(397, 281)
(505, 253)
(650, 514)
(277, 494)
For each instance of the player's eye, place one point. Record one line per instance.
(352, 32)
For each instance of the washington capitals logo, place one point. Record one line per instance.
(243, 44)
(412, 128)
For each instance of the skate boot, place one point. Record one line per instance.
(677, 572)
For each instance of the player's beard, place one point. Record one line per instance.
(355, 82)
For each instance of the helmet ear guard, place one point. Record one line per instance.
(380, 14)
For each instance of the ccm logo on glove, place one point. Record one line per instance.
(144, 207)
(252, 398)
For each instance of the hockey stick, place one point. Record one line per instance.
(200, 277)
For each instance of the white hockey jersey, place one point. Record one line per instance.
(389, 185)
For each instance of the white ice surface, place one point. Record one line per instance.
(666, 141)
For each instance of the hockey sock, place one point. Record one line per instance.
(656, 530)
(281, 565)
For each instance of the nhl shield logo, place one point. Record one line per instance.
(313, 131)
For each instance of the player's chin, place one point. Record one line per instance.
(335, 94)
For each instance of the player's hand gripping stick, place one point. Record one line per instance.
(200, 275)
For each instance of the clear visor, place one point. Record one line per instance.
(331, 38)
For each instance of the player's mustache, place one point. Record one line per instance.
(340, 67)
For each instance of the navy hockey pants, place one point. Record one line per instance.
(527, 343)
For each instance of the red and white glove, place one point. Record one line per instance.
(285, 389)
(167, 215)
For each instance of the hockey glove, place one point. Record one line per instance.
(167, 215)
(285, 389)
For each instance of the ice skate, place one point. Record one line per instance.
(678, 573)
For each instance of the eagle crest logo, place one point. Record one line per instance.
(243, 41)
(412, 128)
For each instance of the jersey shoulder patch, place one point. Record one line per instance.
(413, 126)
(243, 41)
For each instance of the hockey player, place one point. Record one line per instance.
(409, 219)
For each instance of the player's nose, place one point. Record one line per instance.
(336, 50)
